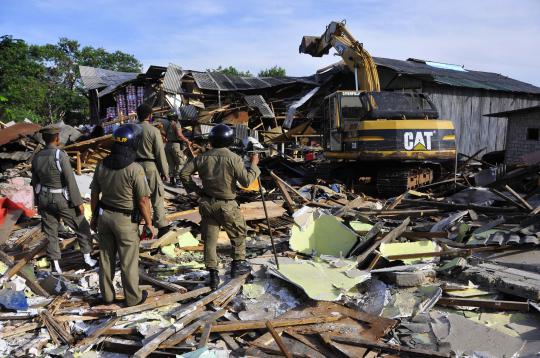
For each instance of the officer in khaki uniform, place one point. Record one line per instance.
(220, 170)
(173, 148)
(151, 156)
(124, 195)
(58, 197)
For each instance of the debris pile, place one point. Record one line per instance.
(451, 268)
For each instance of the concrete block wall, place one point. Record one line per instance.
(517, 143)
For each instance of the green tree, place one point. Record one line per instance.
(21, 81)
(231, 71)
(273, 72)
(42, 82)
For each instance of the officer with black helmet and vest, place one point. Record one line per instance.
(220, 170)
(58, 197)
(125, 199)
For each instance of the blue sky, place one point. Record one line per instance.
(488, 35)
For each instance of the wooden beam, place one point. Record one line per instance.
(282, 347)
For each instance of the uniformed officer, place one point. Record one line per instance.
(151, 156)
(220, 170)
(58, 197)
(173, 148)
(124, 199)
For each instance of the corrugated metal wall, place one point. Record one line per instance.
(466, 107)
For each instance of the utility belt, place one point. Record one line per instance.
(45, 189)
(213, 198)
(145, 160)
(135, 214)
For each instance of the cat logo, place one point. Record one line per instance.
(417, 140)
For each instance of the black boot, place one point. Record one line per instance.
(213, 279)
(173, 181)
(240, 267)
(163, 230)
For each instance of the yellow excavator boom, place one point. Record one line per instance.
(352, 52)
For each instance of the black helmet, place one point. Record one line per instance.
(221, 136)
(128, 135)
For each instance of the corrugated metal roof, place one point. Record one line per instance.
(257, 101)
(93, 77)
(463, 78)
(514, 112)
(221, 82)
(173, 79)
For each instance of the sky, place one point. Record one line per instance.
(486, 35)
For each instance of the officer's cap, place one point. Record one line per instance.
(51, 130)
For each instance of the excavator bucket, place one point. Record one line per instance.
(311, 45)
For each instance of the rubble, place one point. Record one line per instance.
(449, 268)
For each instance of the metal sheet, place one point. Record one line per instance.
(258, 102)
(173, 79)
(292, 109)
(15, 131)
(93, 77)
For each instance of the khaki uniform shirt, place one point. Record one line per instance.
(219, 170)
(45, 172)
(151, 147)
(172, 135)
(121, 189)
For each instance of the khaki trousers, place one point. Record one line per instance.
(216, 214)
(157, 191)
(117, 234)
(52, 208)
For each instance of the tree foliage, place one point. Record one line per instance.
(42, 82)
(273, 72)
(231, 71)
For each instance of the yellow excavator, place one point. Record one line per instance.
(394, 137)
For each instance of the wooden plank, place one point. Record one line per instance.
(95, 335)
(282, 322)
(151, 346)
(166, 285)
(56, 328)
(389, 348)
(518, 197)
(231, 285)
(182, 335)
(205, 335)
(255, 211)
(161, 301)
(15, 331)
(23, 261)
(282, 347)
(492, 304)
(395, 233)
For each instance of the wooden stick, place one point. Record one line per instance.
(282, 347)
(166, 285)
(182, 335)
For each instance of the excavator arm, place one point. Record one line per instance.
(352, 52)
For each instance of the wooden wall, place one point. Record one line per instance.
(466, 107)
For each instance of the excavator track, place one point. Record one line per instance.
(395, 181)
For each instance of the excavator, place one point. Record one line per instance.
(394, 137)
